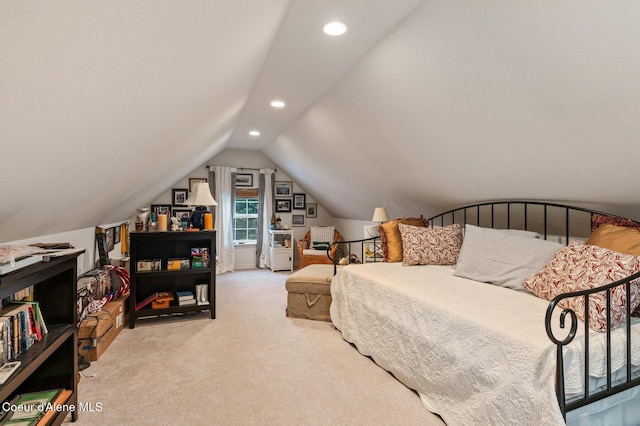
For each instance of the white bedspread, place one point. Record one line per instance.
(474, 352)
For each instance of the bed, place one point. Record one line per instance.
(480, 353)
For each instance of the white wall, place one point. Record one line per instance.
(245, 254)
(80, 238)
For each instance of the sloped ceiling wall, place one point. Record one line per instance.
(468, 101)
(106, 104)
(420, 106)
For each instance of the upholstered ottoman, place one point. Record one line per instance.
(309, 292)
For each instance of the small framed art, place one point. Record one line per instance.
(283, 205)
(284, 189)
(299, 201)
(194, 181)
(179, 196)
(161, 209)
(312, 210)
(244, 179)
(297, 220)
(182, 214)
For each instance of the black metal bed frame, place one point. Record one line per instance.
(534, 216)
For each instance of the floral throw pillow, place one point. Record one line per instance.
(580, 267)
(430, 246)
(391, 240)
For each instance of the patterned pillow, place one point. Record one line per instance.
(390, 238)
(322, 234)
(430, 246)
(580, 267)
(599, 219)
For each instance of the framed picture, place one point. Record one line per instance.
(297, 220)
(182, 214)
(312, 210)
(194, 181)
(283, 205)
(244, 179)
(284, 189)
(161, 209)
(116, 236)
(110, 237)
(179, 196)
(299, 201)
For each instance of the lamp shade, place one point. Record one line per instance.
(201, 196)
(380, 215)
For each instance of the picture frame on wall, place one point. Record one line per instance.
(194, 181)
(116, 235)
(161, 209)
(283, 189)
(299, 201)
(312, 210)
(179, 196)
(244, 179)
(297, 220)
(283, 205)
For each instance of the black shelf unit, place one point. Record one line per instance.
(164, 246)
(52, 362)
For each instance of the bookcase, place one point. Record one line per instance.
(51, 363)
(158, 265)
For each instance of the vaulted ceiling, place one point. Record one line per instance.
(420, 105)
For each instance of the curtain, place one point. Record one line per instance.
(223, 180)
(265, 201)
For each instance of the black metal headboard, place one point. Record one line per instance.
(548, 219)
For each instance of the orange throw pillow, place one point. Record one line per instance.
(391, 239)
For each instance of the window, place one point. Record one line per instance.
(245, 220)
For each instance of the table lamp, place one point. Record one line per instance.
(380, 215)
(201, 198)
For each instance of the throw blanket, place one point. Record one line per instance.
(474, 352)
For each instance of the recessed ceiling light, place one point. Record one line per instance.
(277, 104)
(254, 133)
(335, 28)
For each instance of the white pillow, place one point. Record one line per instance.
(502, 258)
(322, 234)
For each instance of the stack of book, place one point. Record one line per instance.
(185, 298)
(21, 325)
(35, 408)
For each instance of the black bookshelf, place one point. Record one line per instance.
(52, 362)
(163, 246)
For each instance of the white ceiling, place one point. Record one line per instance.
(420, 106)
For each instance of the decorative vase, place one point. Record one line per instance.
(197, 217)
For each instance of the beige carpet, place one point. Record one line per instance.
(250, 366)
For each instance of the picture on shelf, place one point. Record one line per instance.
(283, 205)
(161, 209)
(297, 220)
(299, 201)
(182, 214)
(312, 210)
(244, 179)
(179, 196)
(284, 189)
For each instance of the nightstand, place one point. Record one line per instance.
(280, 250)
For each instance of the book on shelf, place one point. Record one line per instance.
(187, 302)
(144, 302)
(184, 295)
(21, 325)
(32, 407)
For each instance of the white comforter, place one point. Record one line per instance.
(474, 352)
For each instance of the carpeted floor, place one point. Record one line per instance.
(250, 366)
